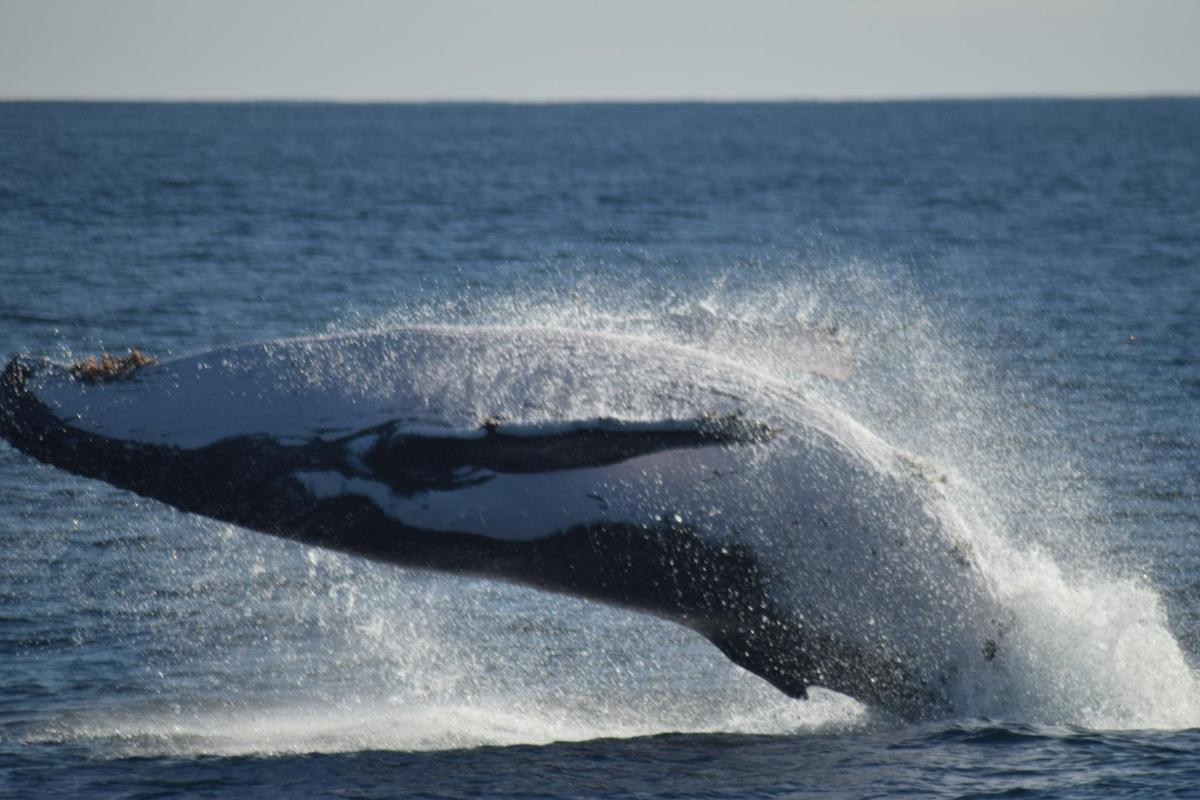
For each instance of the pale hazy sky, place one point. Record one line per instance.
(596, 49)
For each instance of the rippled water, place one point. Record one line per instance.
(1019, 284)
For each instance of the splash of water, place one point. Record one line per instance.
(393, 661)
(1091, 643)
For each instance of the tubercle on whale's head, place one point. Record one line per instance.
(109, 367)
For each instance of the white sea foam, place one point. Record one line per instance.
(399, 723)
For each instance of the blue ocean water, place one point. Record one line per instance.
(1019, 283)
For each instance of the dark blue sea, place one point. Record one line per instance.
(1018, 283)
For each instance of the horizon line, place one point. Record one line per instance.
(598, 100)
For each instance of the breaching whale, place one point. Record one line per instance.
(633, 472)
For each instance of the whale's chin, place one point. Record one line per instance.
(633, 473)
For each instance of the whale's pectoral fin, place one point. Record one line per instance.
(417, 462)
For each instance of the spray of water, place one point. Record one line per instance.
(361, 656)
(1091, 641)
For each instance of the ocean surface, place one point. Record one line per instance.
(1018, 283)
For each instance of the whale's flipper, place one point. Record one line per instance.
(416, 462)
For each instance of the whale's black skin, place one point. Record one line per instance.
(666, 569)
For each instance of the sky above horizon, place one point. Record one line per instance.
(546, 50)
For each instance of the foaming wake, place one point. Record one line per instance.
(1088, 650)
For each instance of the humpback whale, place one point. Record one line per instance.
(633, 472)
